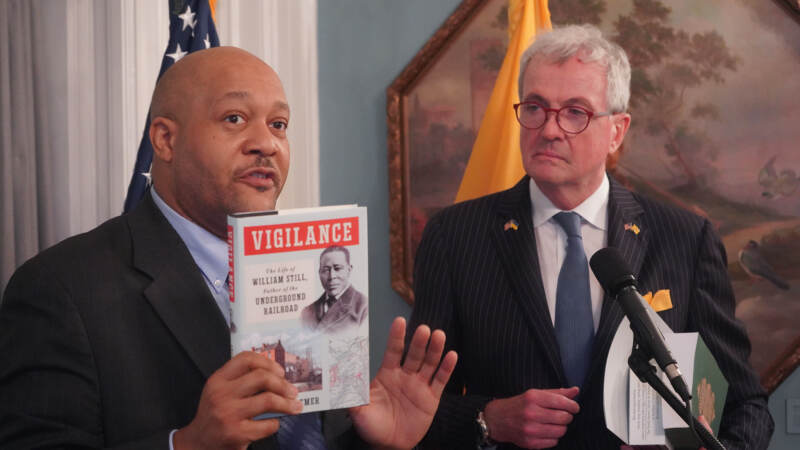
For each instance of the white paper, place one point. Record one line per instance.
(648, 426)
(615, 386)
(644, 414)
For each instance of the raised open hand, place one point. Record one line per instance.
(404, 398)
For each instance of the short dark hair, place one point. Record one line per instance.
(336, 248)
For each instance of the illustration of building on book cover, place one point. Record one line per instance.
(298, 295)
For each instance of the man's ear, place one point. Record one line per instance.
(620, 123)
(163, 131)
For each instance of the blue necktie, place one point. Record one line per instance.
(301, 432)
(573, 324)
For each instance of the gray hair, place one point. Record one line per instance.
(562, 43)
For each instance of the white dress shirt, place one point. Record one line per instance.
(551, 241)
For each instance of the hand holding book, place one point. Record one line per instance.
(299, 296)
(243, 387)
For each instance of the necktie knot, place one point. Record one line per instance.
(327, 304)
(570, 222)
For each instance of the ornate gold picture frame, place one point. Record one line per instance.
(714, 130)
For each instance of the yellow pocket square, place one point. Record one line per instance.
(661, 301)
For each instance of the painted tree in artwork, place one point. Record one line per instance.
(492, 58)
(576, 11)
(668, 65)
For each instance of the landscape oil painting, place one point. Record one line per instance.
(715, 130)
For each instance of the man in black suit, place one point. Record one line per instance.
(119, 337)
(506, 276)
(341, 306)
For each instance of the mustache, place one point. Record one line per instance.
(261, 162)
(264, 161)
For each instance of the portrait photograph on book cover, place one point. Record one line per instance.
(341, 308)
(713, 130)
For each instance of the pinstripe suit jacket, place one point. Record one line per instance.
(107, 339)
(482, 286)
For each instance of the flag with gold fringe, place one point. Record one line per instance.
(495, 162)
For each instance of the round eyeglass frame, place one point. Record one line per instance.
(590, 115)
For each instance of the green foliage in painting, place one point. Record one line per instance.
(667, 63)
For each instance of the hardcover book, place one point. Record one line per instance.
(298, 287)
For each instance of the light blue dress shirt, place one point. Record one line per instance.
(209, 252)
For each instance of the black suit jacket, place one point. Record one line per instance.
(350, 310)
(107, 339)
(481, 284)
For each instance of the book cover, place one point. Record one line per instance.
(298, 288)
(709, 390)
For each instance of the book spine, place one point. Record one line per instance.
(231, 278)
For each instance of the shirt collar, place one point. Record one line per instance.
(343, 291)
(593, 210)
(209, 252)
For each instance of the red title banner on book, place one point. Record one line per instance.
(292, 237)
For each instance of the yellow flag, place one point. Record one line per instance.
(495, 163)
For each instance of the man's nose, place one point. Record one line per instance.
(261, 140)
(551, 129)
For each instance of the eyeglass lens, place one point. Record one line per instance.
(571, 119)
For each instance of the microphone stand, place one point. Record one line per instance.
(639, 362)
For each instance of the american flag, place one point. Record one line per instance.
(191, 28)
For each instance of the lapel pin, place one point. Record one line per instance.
(512, 224)
(632, 227)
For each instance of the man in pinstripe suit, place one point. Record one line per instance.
(493, 287)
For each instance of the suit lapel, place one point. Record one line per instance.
(178, 292)
(339, 311)
(517, 251)
(623, 209)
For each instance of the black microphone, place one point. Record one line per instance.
(617, 279)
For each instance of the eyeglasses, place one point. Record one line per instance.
(571, 119)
